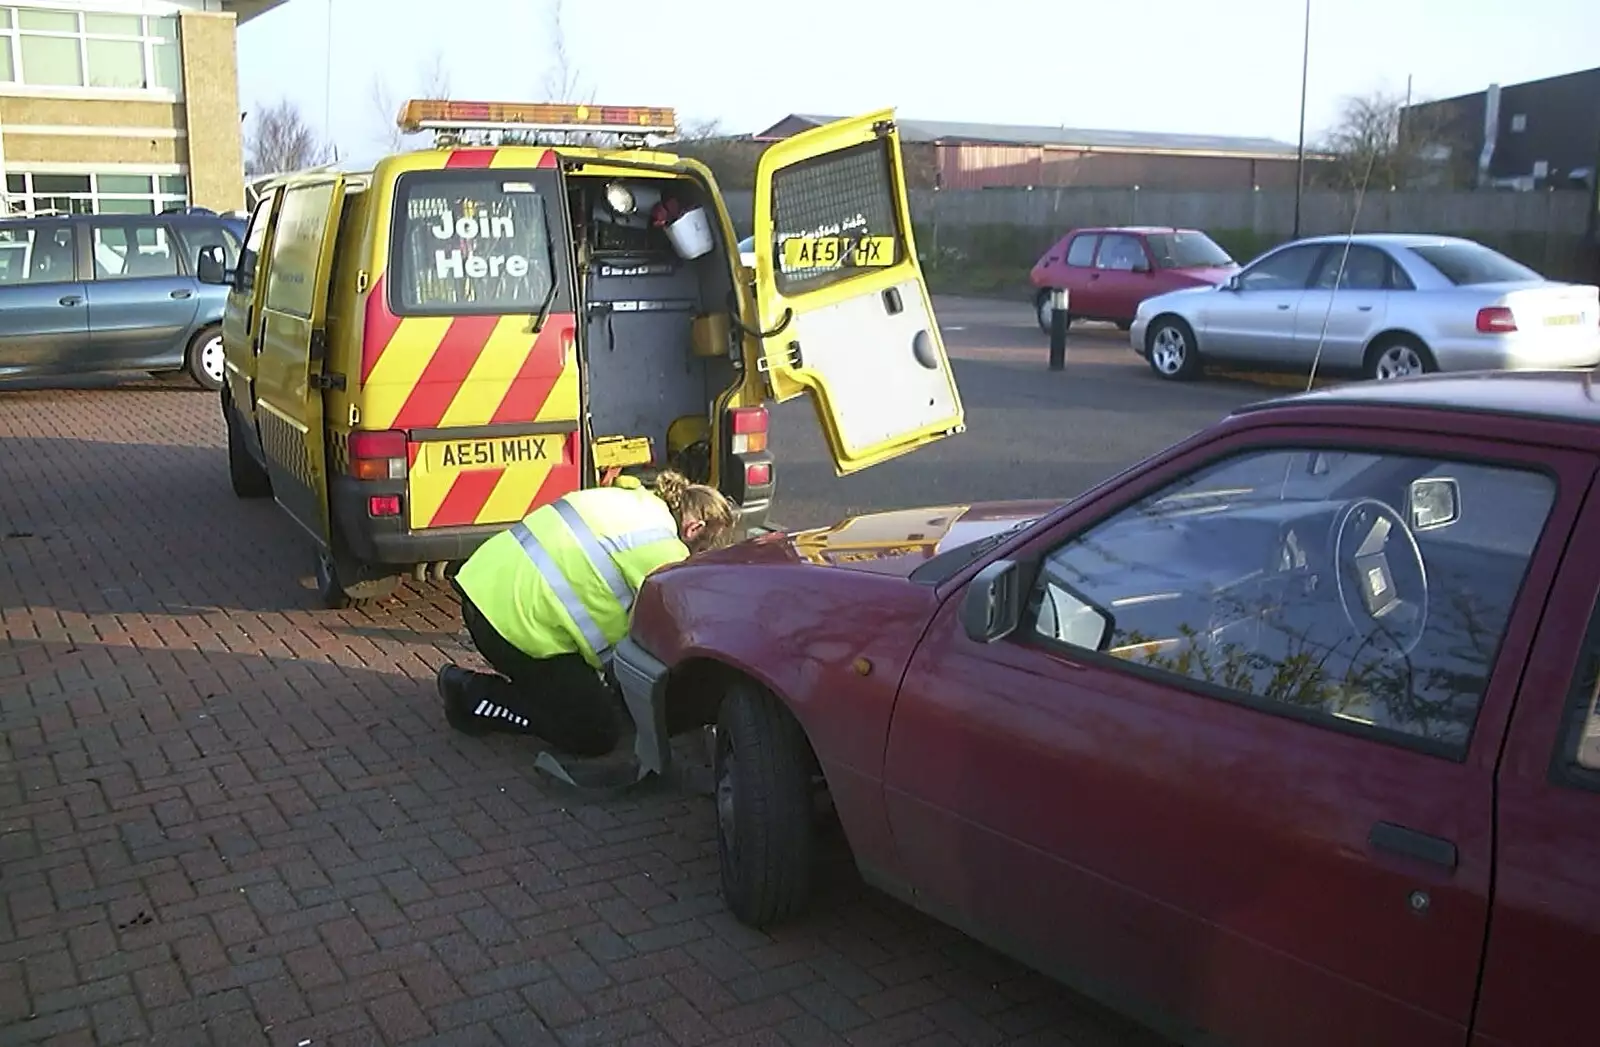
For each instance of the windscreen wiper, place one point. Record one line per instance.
(550, 256)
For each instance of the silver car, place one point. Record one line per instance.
(1380, 305)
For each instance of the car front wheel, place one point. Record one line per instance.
(765, 825)
(1044, 312)
(1170, 348)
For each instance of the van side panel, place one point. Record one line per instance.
(454, 382)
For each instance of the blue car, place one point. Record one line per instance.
(112, 293)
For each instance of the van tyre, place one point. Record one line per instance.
(765, 809)
(1170, 348)
(342, 582)
(249, 479)
(203, 360)
(1398, 356)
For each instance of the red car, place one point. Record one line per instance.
(1286, 735)
(1108, 272)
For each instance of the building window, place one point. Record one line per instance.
(109, 193)
(84, 49)
(1519, 123)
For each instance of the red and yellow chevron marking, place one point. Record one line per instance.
(467, 371)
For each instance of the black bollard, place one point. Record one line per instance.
(1058, 329)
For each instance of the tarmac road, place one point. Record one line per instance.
(1030, 433)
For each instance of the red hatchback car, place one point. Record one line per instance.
(1108, 272)
(1287, 735)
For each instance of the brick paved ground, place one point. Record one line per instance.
(227, 817)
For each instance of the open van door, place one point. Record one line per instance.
(289, 374)
(844, 310)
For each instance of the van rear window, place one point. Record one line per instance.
(474, 242)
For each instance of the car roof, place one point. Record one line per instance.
(1565, 395)
(1142, 229)
(1387, 239)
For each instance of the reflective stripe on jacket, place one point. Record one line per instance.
(563, 580)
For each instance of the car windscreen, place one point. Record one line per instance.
(1186, 251)
(475, 241)
(1468, 264)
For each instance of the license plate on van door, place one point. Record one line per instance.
(447, 456)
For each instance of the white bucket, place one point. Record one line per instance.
(691, 233)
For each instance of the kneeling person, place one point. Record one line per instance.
(546, 600)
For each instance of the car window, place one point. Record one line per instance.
(1300, 581)
(1189, 250)
(1081, 253)
(197, 235)
(1464, 264)
(1120, 252)
(130, 251)
(1287, 270)
(255, 235)
(1364, 269)
(37, 254)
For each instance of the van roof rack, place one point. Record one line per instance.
(451, 120)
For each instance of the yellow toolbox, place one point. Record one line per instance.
(619, 452)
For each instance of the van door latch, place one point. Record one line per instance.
(326, 381)
(792, 359)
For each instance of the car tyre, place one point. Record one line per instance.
(1398, 356)
(1169, 347)
(765, 811)
(1124, 325)
(1042, 311)
(249, 479)
(342, 582)
(204, 359)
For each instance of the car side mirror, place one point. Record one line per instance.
(211, 266)
(1142, 267)
(992, 607)
(1231, 283)
(1434, 502)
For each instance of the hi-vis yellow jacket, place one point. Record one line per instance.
(563, 580)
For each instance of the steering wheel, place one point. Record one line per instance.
(1382, 580)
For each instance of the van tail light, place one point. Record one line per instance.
(1496, 319)
(749, 425)
(383, 505)
(757, 474)
(378, 456)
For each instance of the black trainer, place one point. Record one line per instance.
(452, 681)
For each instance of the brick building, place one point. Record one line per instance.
(122, 106)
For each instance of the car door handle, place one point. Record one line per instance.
(71, 299)
(1397, 839)
(1283, 305)
(1364, 308)
(182, 292)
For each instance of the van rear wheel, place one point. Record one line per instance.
(343, 582)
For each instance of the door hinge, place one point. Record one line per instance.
(882, 127)
(793, 359)
(318, 347)
(326, 381)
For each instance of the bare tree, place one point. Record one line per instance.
(1379, 142)
(432, 83)
(279, 139)
(732, 158)
(562, 82)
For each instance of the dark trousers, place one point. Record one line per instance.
(562, 699)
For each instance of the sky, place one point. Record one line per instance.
(1228, 67)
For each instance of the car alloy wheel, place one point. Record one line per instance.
(726, 764)
(1399, 360)
(1169, 350)
(1046, 312)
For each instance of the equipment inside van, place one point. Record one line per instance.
(421, 354)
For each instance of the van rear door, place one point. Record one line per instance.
(289, 371)
(844, 310)
(470, 338)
